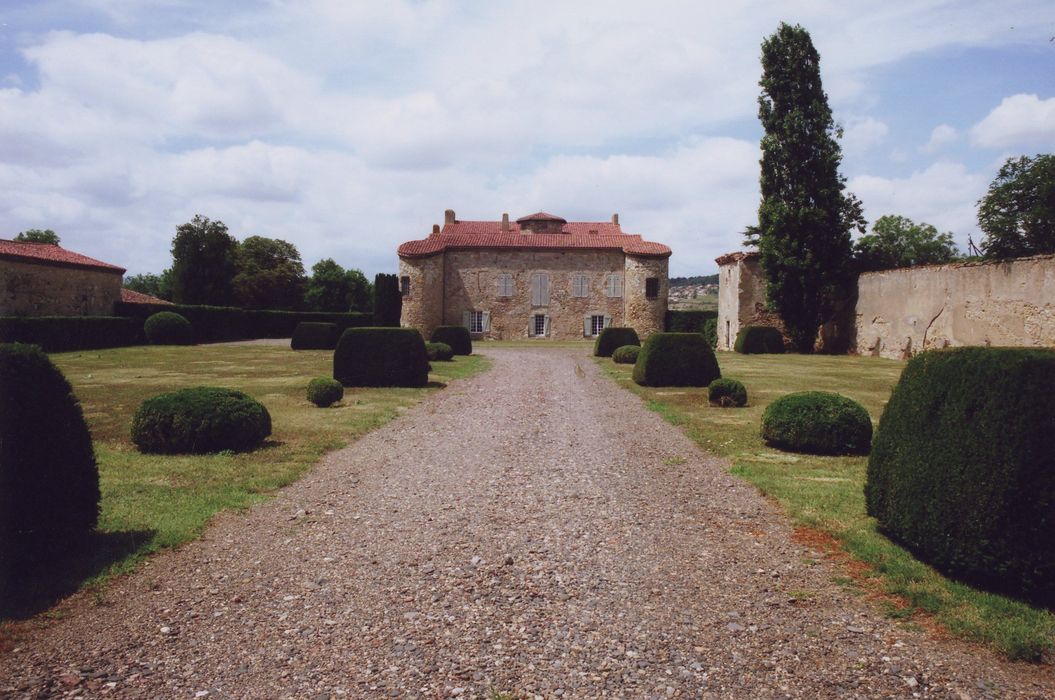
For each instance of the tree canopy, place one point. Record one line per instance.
(1017, 214)
(269, 274)
(36, 235)
(332, 288)
(203, 263)
(148, 283)
(804, 219)
(896, 241)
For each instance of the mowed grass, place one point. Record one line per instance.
(825, 494)
(155, 501)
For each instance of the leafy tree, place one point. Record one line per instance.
(36, 235)
(1017, 214)
(203, 263)
(804, 219)
(388, 303)
(896, 241)
(148, 283)
(270, 274)
(332, 288)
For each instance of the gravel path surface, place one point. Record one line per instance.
(532, 531)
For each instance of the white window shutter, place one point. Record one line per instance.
(607, 321)
(586, 325)
(536, 290)
(487, 321)
(531, 326)
(544, 283)
(546, 326)
(465, 319)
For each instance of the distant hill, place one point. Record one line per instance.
(688, 281)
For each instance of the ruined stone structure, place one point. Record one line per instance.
(901, 312)
(537, 277)
(41, 279)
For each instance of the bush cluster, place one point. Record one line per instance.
(757, 340)
(710, 332)
(381, 357)
(68, 333)
(455, 336)
(963, 466)
(49, 482)
(439, 351)
(200, 420)
(726, 392)
(626, 354)
(168, 328)
(614, 337)
(324, 392)
(310, 335)
(676, 359)
(688, 321)
(817, 422)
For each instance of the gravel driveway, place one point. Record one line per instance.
(531, 531)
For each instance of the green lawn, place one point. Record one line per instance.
(155, 501)
(825, 494)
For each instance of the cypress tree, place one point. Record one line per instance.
(388, 302)
(804, 219)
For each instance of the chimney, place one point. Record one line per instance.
(505, 222)
(615, 219)
(448, 216)
(435, 229)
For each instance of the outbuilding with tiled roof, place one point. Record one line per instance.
(43, 279)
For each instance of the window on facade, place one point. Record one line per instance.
(613, 286)
(404, 286)
(651, 287)
(539, 325)
(540, 289)
(597, 324)
(476, 321)
(579, 286)
(505, 285)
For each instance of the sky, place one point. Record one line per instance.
(348, 127)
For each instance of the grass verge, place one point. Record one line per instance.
(825, 494)
(154, 501)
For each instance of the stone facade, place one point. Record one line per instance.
(50, 289)
(741, 297)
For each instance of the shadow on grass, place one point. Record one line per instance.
(436, 385)
(40, 578)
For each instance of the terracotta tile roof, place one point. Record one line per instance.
(542, 216)
(129, 296)
(736, 257)
(575, 235)
(49, 254)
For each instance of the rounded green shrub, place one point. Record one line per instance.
(168, 328)
(817, 422)
(963, 467)
(456, 336)
(614, 337)
(49, 481)
(309, 335)
(626, 354)
(676, 359)
(324, 392)
(200, 420)
(757, 340)
(381, 357)
(439, 351)
(726, 392)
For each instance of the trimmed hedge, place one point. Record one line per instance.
(68, 333)
(324, 392)
(710, 331)
(612, 338)
(168, 328)
(314, 336)
(727, 392)
(687, 321)
(963, 467)
(456, 336)
(817, 422)
(626, 354)
(676, 359)
(49, 481)
(759, 340)
(381, 357)
(200, 420)
(439, 351)
(282, 324)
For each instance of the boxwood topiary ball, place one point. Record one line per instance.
(626, 354)
(439, 351)
(324, 391)
(676, 359)
(168, 328)
(726, 392)
(200, 420)
(758, 340)
(817, 422)
(456, 336)
(614, 337)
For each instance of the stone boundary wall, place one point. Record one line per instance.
(1003, 303)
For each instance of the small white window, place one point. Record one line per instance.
(593, 324)
(579, 286)
(539, 326)
(540, 289)
(477, 321)
(505, 285)
(614, 286)
(596, 324)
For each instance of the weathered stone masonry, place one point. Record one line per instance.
(38, 279)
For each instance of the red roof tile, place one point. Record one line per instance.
(542, 216)
(582, 235)
(736, 257)
(130, 296)
(50, 254)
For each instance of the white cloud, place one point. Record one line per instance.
(941, 136)
(1019, 120)
(862, 134)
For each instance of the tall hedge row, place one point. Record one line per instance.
(67, 333)
(962, 469)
